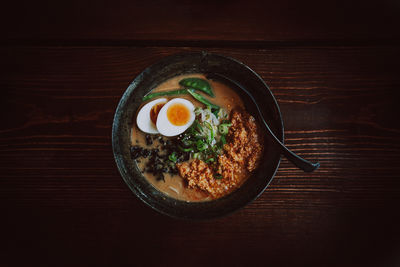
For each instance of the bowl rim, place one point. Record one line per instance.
(117, 118)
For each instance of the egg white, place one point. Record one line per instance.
(143, 119)
(165, 127)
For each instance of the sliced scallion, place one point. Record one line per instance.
(223, 128)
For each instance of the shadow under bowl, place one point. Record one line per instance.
(211, 65)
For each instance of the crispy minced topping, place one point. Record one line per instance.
(241, 156)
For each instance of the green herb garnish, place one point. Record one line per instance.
(196, 155)
(211, 135)
(223, 139)
(209, 160)
(189, 149)
(204, 140)
(224, 128)
(201, 145)
(215, 111)
(172, 157)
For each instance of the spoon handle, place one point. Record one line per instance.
(303, 164)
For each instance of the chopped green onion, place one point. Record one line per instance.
(211, 136)
(209, 160)
(200, 137)
(185, 149)
(196, 155)
(223, 128)
(201, 146)
(223, 139)
(187, 143)
(215, 111)
(198, 125)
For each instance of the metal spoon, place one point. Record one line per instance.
(303, 164)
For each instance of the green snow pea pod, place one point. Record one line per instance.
(198, 84)
(202, 99)
(165, 93)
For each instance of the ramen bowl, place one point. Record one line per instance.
(213, 66)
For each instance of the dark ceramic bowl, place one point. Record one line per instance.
(209, 64)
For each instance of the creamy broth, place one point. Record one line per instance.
(174, 185)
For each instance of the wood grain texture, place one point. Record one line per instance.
(76, 21)
(63, 201)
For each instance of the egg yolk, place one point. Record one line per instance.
(154, 112)
(178, 114)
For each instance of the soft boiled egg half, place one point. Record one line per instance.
(147, 116)
(167, 118)
(175, 117)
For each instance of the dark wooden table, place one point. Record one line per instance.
(333, 67)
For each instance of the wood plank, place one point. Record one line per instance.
(60, 190)
(62, 22)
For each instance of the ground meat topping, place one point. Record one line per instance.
(245, 144)
(241, 156)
